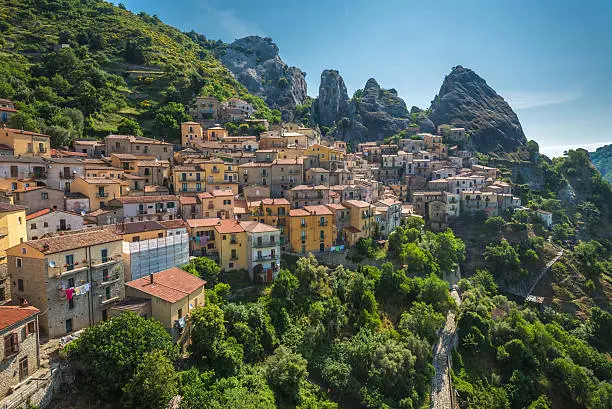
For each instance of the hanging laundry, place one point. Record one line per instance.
(87, 287)
(69, 293)
(77, 291)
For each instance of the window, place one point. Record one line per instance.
(46, 224)
(20, 284)
(135, 238)
(184, 187)
(180, 313)
(170, 205)
(31, 327)
(108, 293)
(105, 276)
(69, 262)
(44, 196)
(11, 344)
(104, 255)
(198, 187)
(33, 226)
(161, 235)
(104, 315)
(19, 220)
(234, 254)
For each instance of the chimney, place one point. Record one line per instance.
(151, 278)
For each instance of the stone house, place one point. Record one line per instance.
(74, 278)
(47, 221)
(39, 197)
(20, 355)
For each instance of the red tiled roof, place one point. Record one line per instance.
(229, 226)
(188, 200)
(169, 285)
(10, 315)
(147, 199)
(38, 214)
(203, 222)
(298, 212)
(318, 210)
(257, 227)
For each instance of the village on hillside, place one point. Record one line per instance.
(103, 227)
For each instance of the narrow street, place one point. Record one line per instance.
(441, 386)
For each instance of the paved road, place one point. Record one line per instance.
(441, 388)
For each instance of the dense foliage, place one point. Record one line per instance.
(319, 335)
(107, 71)
(602, 159)
(510, 356)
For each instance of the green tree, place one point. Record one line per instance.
(422, 320)
(129, 127)
(153, 384)
(503, 256)
(109, 352)
(285, 371)
(208, 330)
(204, 268)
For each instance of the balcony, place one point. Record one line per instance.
(215, 170)
(323, 223)
(233, 241)
(37, 175)
(267, 243)
(322, 238)
(63, 228)
(302, 224)
(65, 175)
(100, 262)
(109, 301)
(265, 257)
(234, 258)
(101, 195)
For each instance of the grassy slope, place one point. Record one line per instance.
(31, 28)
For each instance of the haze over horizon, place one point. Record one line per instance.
(545, 59)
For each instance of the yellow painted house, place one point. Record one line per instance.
(12, 227)
(311, 229)
(174, 293)
(189, 178)
(361, 221)
(220, 175)
(325, 153)
(273, 212)
(231, 245)
(99, 190)
(24, 143)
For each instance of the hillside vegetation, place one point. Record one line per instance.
(602, 159)
(87, 67)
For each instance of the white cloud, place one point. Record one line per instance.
(234, 25)
(533, 99)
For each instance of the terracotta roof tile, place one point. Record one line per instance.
(257, 227)
(169, 285)
(203, 222)
(38, 214)
(148, 199)
(74, 240)
(226, 226)
(10, 315)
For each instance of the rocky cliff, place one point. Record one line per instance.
(465, 100)
(255, 63)
(333, 98)
(372, 114)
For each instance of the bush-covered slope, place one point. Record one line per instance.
(602, 159)
(124, 72)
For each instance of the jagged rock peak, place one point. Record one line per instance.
(255, 63)
(466, 100)
(372, 84)
(332, 103)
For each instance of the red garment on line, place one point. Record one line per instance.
(69, 293)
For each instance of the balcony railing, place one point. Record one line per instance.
(264, 257)
(233, 241)
(101, 195)
(266, 243)
(323, 223)
(62, 228)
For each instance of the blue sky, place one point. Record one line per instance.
(550, 59)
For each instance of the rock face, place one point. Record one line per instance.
(373, 114)
(333, 98)
(255, 63)
(465, 100)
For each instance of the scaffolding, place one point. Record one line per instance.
(154, 255)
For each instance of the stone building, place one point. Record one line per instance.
(73, 278)
(20, 355)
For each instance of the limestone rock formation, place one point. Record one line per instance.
(465, 100)
(255, 63)
(333, 98)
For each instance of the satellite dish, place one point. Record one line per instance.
(51, 263)
(83, 212)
